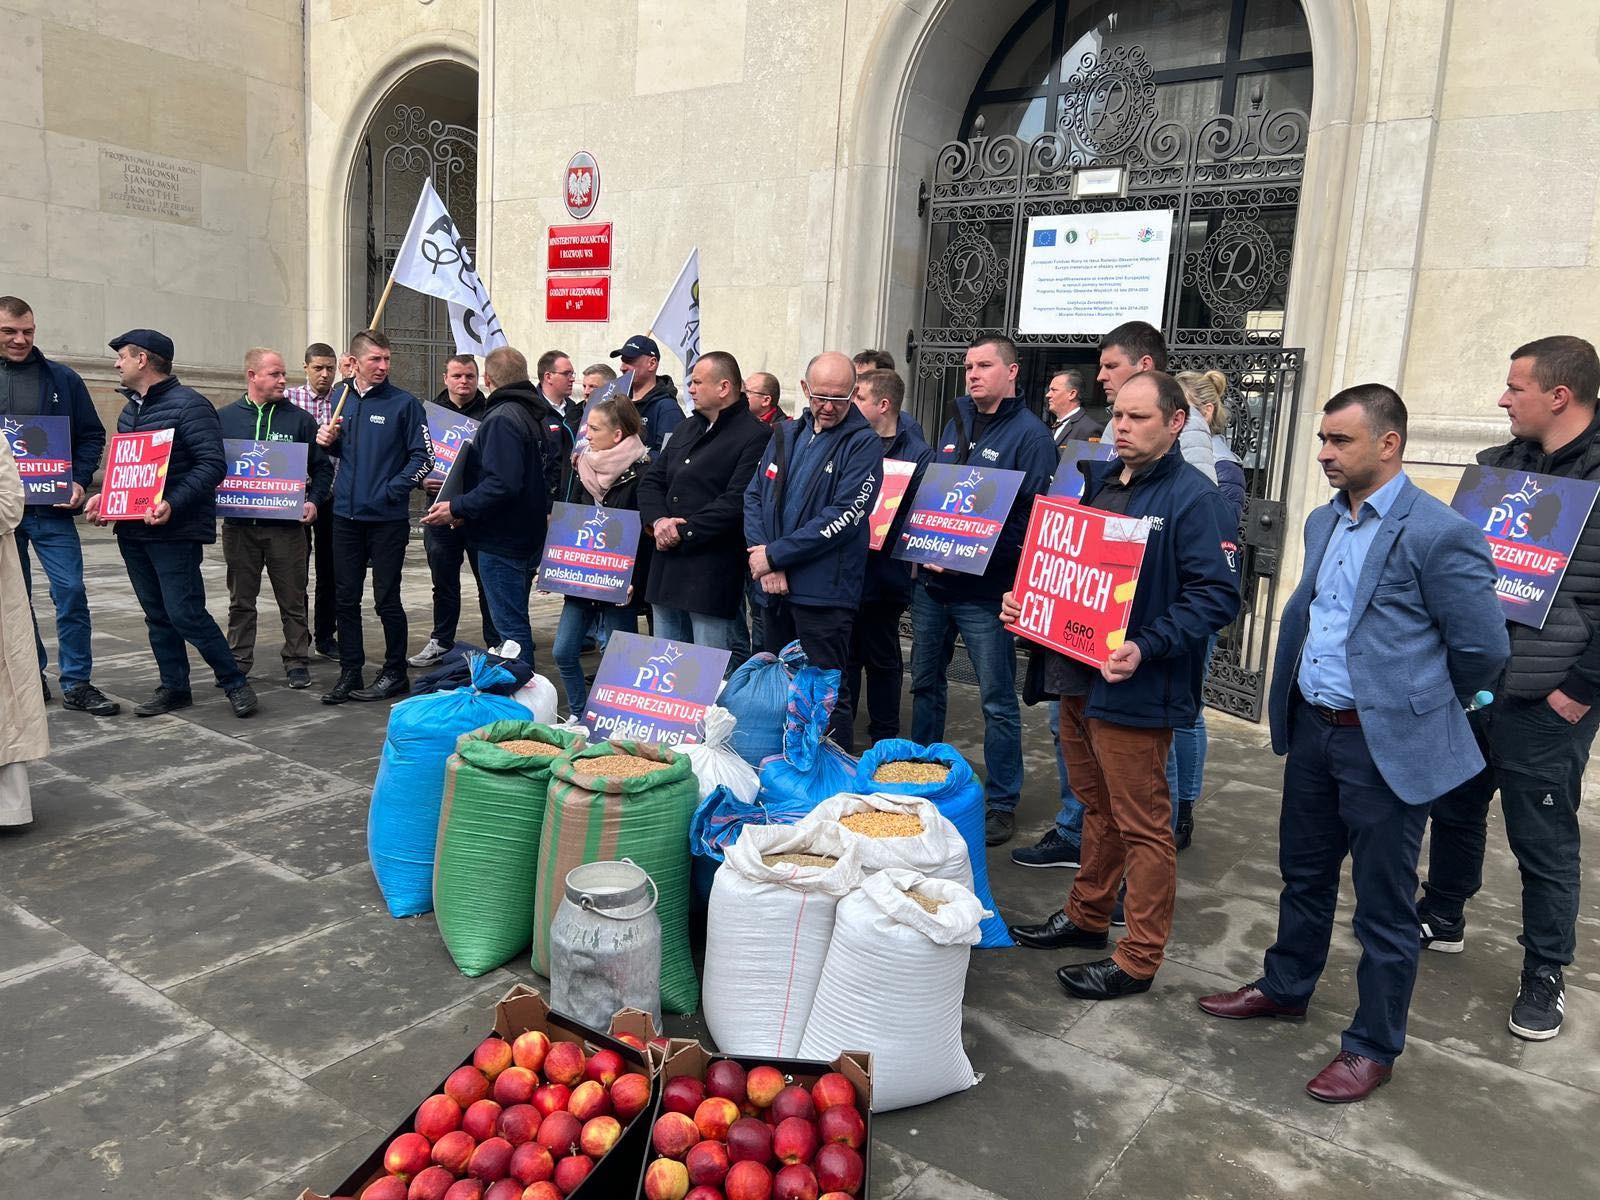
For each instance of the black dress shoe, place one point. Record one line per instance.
(1056, 932)
(45, 684)
(349, 681)
(165, 700)
(1102, 980)
(85, 697)
(329, 648)
(1184, 833)
(242, 699)
(385, 687)
(998, 827)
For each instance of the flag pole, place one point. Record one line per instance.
(377, 315)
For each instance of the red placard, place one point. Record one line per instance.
(577, 298)
(1077, 576)
(896, 479)
(136, 474)
(580, 247)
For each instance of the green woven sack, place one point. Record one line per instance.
(595, 818)
(489, 825)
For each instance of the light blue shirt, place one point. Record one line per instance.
(1324, 671)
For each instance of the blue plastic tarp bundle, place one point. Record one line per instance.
(758, 695)
(811, 768)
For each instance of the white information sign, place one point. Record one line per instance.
(1090, 272)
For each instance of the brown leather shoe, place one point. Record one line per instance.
(1347, 1078)
(1248, 1002)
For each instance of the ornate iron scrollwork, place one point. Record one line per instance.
(1237, 267)
(1112, 101)
(967, 275)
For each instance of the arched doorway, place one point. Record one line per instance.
(1201, 106)
(425, 128)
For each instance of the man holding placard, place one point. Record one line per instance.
(267, 503)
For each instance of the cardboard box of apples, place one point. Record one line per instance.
(544, 1108)
(727, 1127)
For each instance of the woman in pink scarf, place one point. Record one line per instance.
(608, 474)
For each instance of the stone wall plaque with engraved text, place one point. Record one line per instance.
(149, 185)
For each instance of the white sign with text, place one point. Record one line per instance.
(1089, 272)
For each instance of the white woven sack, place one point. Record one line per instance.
(538, 696)
(893, 984)
(939, 850)
(767, 935)
(716, 764)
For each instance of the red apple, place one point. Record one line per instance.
(673, 1134)
(519, 1123)
(666, 1180)
(559, 1134)
(564, 1063)
(572, 1171)
(763, 1084)
(437, 1116)
(466, 1086)
(793, 1101)
(492, 1056)
(835, 1196)
(481, 1120)
(531, 1163)
(795, 1182)
(515, 1085)
(491, 1160)
(748, 1181)
(599, 1135)
(682, 1095)
(630, 1095)
(844, 1125)
(390, 1187)
(431, 1183)
(714, 1116)
(636, 1042)
(453, 1150)
(839, 1168)
(529, 1049)
(704, 1193)
(833, 1088)
(504, 1189)
(725, 1078)
(465, 1189)
(749, 1140)
(707, 1163)
(794, 1141)
(589, 1100)
(543, 1190)
(407, 1154)
(603, 1066)
(550, 1098)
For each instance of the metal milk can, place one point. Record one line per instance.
(605, 944)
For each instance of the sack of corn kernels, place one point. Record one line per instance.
(893, 983)
(767, 932)
(892, 831)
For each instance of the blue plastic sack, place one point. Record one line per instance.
(403, 819)
(811, 768)
(959, 798)
(757, 695)
(717, 823)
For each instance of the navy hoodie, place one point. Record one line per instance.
(62, 394)
(503, 494)
(384, 451)
(888, 578)
(280, 421)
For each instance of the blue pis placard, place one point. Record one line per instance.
(450, 431)
(590, 552)
(43, 449)
(654, 690)
(1068, 483)
(265, 480)
(1532, 523)
(957, 515)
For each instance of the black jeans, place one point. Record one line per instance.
(1536, 760)
(824, 635)
(166, 578)
(445, 549)
(875, 650)
(383, 544)
(325, 606)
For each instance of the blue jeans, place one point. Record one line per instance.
(506, 583)
(55, 541)
(993, 654)
(681, 625)
(578, 617)
(1186, 761)
(1069, 821)
(166, 579)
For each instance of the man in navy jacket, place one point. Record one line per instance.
(1117, 722)
(381, 441)
(33, 386)
(805, 522)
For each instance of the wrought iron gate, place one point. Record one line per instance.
(1233, 183)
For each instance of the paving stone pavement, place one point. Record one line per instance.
(202, 996)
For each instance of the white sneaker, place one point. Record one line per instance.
(429, 654)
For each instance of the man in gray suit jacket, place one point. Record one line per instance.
(1393, 629)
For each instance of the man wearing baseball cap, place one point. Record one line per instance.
(163, 550)
(655, 396)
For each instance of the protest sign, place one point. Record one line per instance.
(266, 480)
(1068, 483)
(1076, 579)
(654, 690)
(589, 552)
(450, 430)
(957, 515)
(136, 474)
(896, 479)
(1532, 523)
(43, 448)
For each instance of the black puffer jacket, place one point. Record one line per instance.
(196, 467)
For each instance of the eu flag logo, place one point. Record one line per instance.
(1044, 237)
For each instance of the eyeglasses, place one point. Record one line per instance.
(565, 374)
(830, 401)
(754, 392)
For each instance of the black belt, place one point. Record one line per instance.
(1341, 717)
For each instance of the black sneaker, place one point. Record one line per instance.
(998, 827)
(385, 687)
(242, 699)
(85, 697)
(1447, 937)
(1054, 849)
(329, 648)
(1118, 915)
(165, 700)
(45, 685)
(349, 681)
(299, 678)
(1541, 1002)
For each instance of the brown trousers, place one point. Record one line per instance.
(280, 548)
(1120, 774)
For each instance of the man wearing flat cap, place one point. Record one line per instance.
(163, 550)
(655, 396)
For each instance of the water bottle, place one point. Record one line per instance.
(1480, 700)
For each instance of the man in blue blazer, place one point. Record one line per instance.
(1394, 627)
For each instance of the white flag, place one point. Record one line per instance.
(435, 260)
(678, 322)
